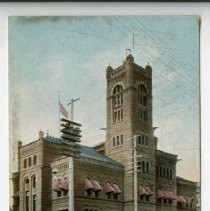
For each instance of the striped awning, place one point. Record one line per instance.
(171, 195)
(142, 191)
(56, 186)
(109, 188)
(148, 191)
(160, 194)
(96, 185)
(116, 189)
(88, 185)
(64, 185)
(180, 199)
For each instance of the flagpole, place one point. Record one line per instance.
(59, 115)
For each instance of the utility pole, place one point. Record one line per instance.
(66, 133)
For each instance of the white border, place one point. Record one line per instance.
(71, 9)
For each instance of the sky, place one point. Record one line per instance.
(70, 55)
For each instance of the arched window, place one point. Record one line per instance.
(34, 181)
(34, 160)
(117, 103)
(142, 95)
(26, 184)
(142, 102)
(29, 161)
(118, 96)
(25, 163)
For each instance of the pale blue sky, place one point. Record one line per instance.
(70, 54)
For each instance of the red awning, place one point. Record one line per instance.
(148, 191)
(56, 186)
(88, 185)
(116, 189)
(160, 194)
(171, 195)
(166, 195)
(109, 188)
(142, 191)
(64, 185)
(180, 199)
(96, 185)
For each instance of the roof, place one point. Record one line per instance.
(87, 152)
(185, 180)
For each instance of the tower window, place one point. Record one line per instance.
(29, 161)
(142, 140)
(114, 142)
(25, 163)
(27, 200)
(34, 181)
(34, 202)
(34, 159)
(117, 103)
(121, 139)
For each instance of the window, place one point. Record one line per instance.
(191, 203)
(142, 114)
(34, 181)
(143, 140)
(147, 198)
(142, 95)
(170, 173)
(34, 159)
(117, 103)
(121, 137)
(118, 96)
(29, 161)
(27, 200)
(147, 167)
(58, 193)
(164, 171)
(121, 114)
(141, 197)
(25, 163)
(118, 141)
(114, 142)
(34, 202)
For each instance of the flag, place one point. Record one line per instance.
(63, 111)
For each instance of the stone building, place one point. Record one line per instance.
(104, 176)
